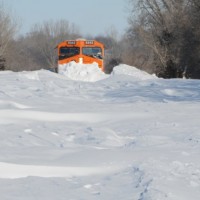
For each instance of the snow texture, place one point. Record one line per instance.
(84, 135)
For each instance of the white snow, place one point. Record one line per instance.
(82, 135)
(19, 171)
(86, 72)
(132, 71)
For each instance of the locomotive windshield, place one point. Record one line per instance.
(66, 52)
(95, 52)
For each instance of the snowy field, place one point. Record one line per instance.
(84, 135)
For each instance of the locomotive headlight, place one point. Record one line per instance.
(81, 60)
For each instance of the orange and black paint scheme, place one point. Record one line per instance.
(81, 51)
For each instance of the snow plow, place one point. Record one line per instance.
(81, 51)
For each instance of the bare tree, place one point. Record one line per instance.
(113, 50)
(162, 31)
(134, 52)
(8, 29)
(165, 30)
(47, 35)
(37, 49)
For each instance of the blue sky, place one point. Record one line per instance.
(92, 17)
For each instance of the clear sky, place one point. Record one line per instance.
(92, 17)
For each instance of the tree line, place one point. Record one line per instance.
(162, 37)
(168, 36)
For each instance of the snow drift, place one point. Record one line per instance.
(128, 135)
(132, 71)
(92, 73)
(82, 72)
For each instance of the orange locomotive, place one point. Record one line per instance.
(81, 51)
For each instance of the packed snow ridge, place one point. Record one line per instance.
(92, 73)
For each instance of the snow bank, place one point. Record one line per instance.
(82, 72)
(92, 73)
(121, 138)
(132, 71)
